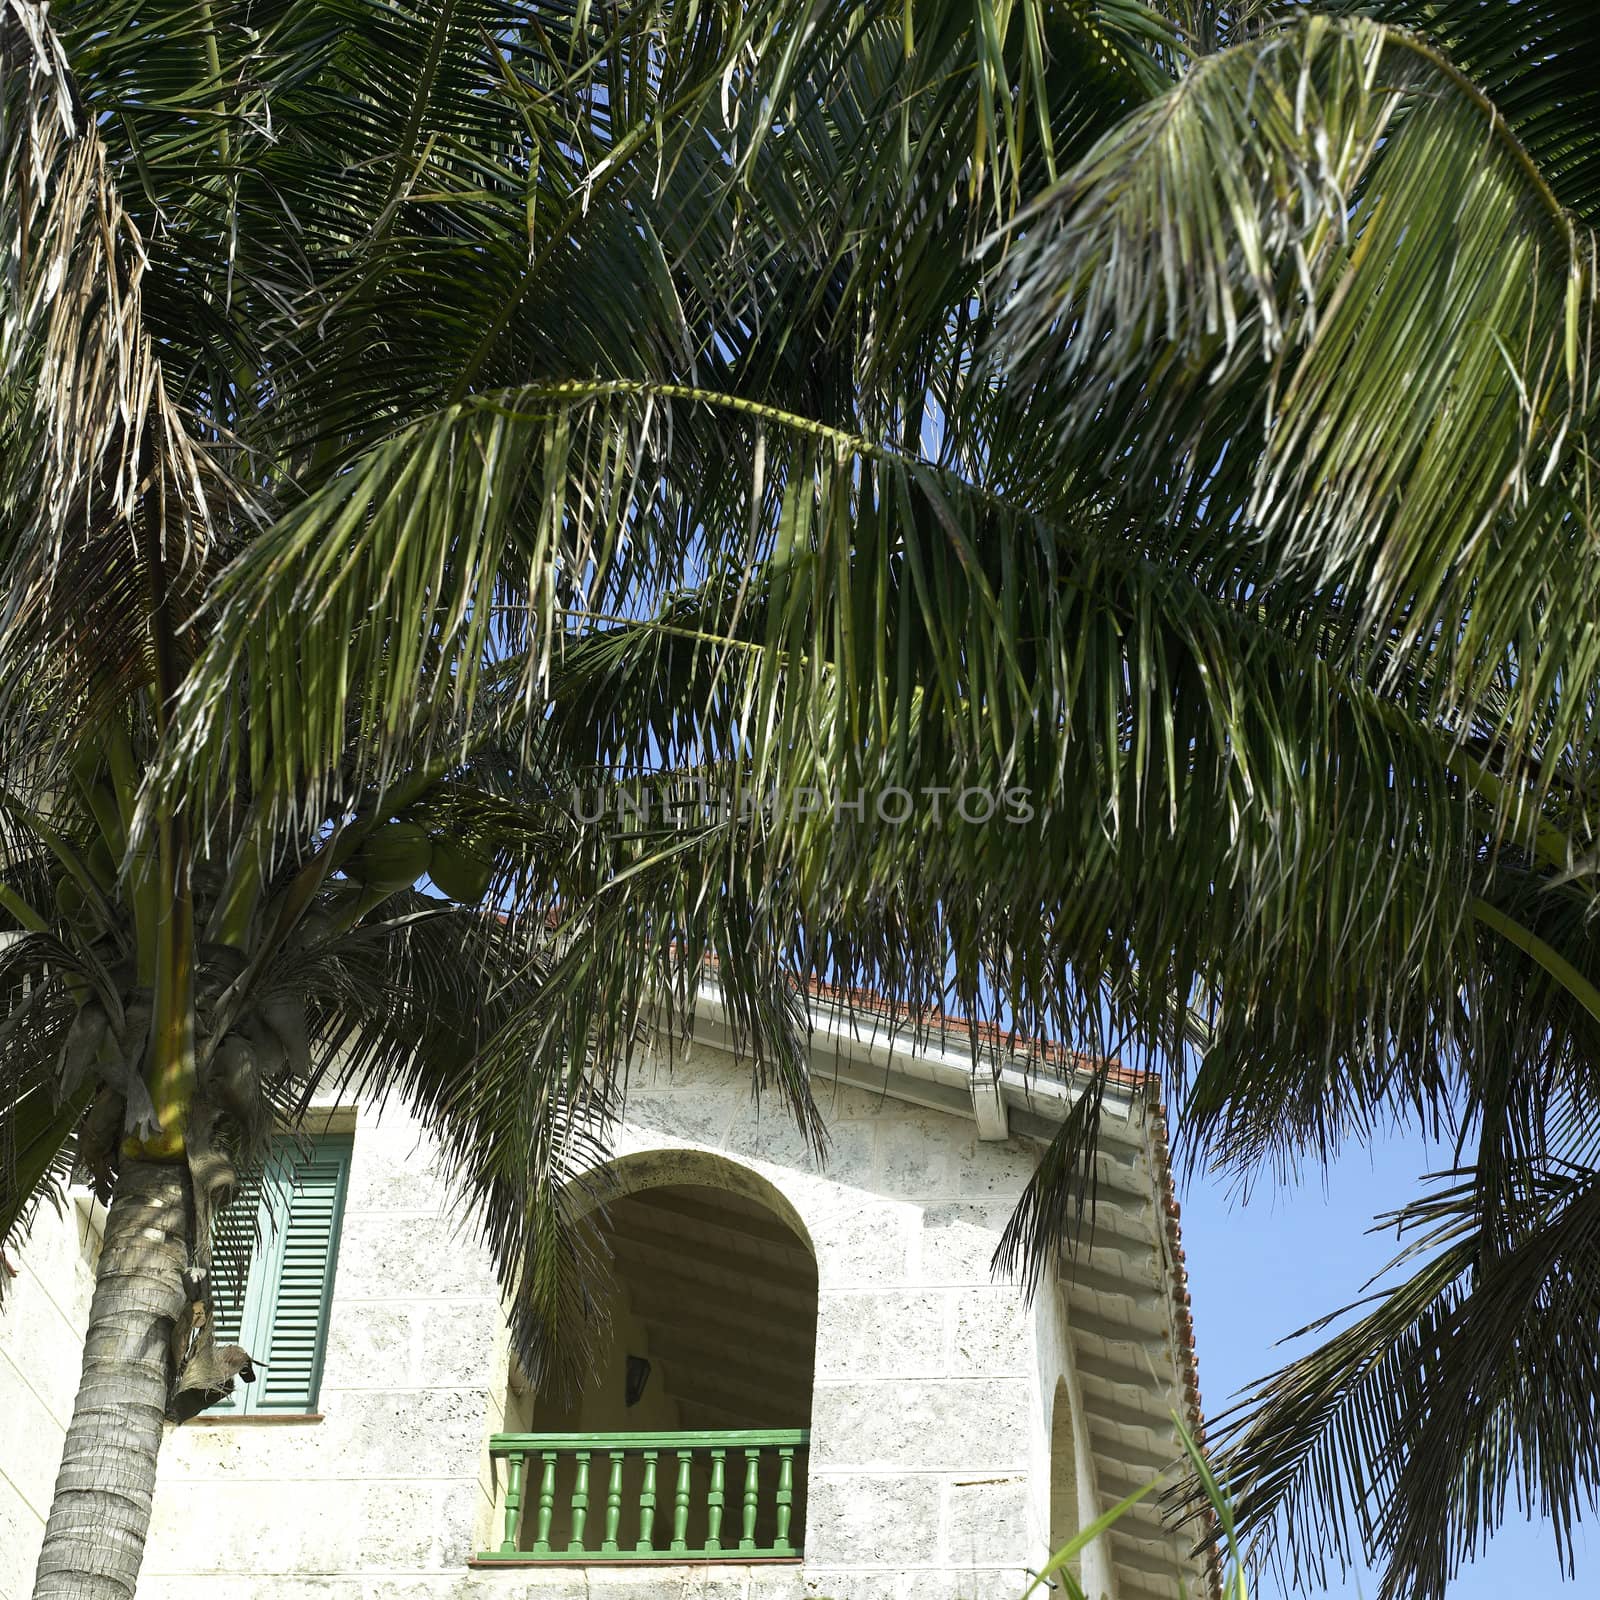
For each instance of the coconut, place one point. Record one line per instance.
(461, 869)
(392, 858)
(101, 863)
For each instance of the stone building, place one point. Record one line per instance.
(813, 1385)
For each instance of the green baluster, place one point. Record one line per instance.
(513, 1501)
(785, 1497)
(752, 1488)
(547, 1505)
(580, 1501)
(714, 1500)
(680, 1502)
(613, 1505)
(647, 1503)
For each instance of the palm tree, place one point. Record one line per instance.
(412, 418)
(1320, 318)
(355, 367)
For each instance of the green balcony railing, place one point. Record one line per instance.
(589, 1497)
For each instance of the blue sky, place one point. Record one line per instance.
(1260, 1270)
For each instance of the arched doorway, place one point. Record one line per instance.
(689, 1438)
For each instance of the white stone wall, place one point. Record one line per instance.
(1063, 1457)
(43, 1311)
(927, 1423)
(920, 1476)
(382, 1496)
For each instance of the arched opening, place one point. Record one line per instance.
(1064, 1517)
(688, 1438)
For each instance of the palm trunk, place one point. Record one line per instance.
(94, 1539)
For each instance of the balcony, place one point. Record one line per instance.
(686, 1439)
(735, 1496)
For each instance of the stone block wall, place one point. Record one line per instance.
(43, 1312)
(1066, 1494)
(927, 1421)
(927, 1391)
(383, 1495)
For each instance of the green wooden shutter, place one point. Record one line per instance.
(281, 1317)
(309, 1201)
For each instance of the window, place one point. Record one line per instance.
(281, 1317)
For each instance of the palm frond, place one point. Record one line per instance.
(1532, 61)
(1471, 1382)
(106, 502)
(416, 1003)
(36, 1121)
(1318, 307)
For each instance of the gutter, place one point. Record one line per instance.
(906, 1063)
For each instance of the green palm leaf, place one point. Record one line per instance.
(1319, 304)
(1468, 1383)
